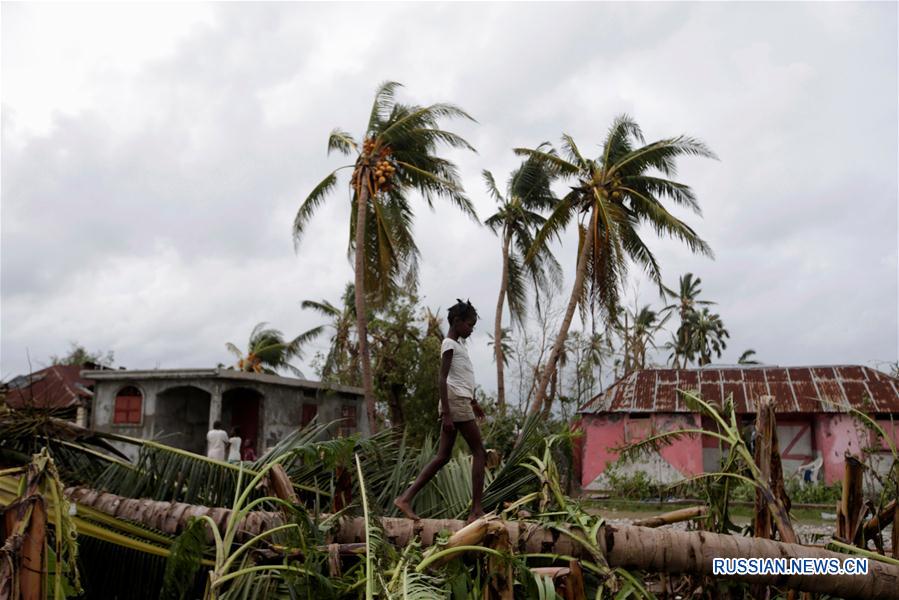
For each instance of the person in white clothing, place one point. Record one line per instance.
(234, 445)
(216, 442)
(458, 411)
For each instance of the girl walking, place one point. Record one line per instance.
(458, 412)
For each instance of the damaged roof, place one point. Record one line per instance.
(56, 387)
(795, 389)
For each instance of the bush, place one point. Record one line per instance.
(633, 486)
(813, 493)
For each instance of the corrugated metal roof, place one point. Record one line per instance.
(59, 386)
(795, 389)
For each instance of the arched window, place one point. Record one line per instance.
(128, 406)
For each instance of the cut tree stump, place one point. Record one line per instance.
(852, 503)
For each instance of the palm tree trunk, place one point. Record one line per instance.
(498, 329)
(362, 195)
(580, 275)
(628, 546)
(395, 394)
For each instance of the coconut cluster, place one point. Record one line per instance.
(381, 169)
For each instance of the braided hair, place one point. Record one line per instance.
(461, 310)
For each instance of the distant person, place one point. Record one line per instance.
(216, 442)
(247, 452)
(458, 410)
(234, 445)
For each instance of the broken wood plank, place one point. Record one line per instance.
(675, 516)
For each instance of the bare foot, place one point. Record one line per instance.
(406, 509)
(474, 516)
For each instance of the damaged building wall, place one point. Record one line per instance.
(177, 407)
(604, 433)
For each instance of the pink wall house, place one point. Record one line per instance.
(812, 417)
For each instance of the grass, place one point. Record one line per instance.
(609, 508)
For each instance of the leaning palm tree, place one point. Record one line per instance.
(708, 335)
(517, 222)
(686, 300)
(269, 352)
(396, 155)
(612, 196)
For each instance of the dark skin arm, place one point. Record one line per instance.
(445, 361)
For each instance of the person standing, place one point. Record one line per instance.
(459, 412)
(216, 442)
(234, 445)
(247, 452)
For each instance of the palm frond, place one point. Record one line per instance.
(554, 225)
(660, 155)
(315, 198)
(492, 188)
(341, 141)
(419, 118)
(555, 165)
(382, 105)
(324, 307)
(516, 290)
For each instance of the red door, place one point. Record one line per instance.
(245, 414)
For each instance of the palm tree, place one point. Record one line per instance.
(396, 155)
(507, 352)
(268, 351)
(707, 336)
(342, 361)
(748, 358)
(613, 194)
(686, 301)
(639, 330)
(516, 222)
(591, 352)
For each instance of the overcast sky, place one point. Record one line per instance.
(154, 156)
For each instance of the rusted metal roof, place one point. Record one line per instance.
(56, 387)
(795, 389)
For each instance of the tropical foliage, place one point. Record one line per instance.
(340, 364)
(278, 533)
(516, 222)
(612, 196)
(395, 156)
(269, 352)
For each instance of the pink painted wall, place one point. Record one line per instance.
(835, 434)
(604, 432)
(601, 432)
(685, 455)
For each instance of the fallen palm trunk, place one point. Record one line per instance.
(657, 550)
(675, 516)
(662, 550)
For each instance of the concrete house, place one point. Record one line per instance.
(178, 406)
(813, 424)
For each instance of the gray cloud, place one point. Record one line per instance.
(156, 221)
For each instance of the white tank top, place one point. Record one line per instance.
(461, 374)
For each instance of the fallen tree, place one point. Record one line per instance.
(628, 546)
